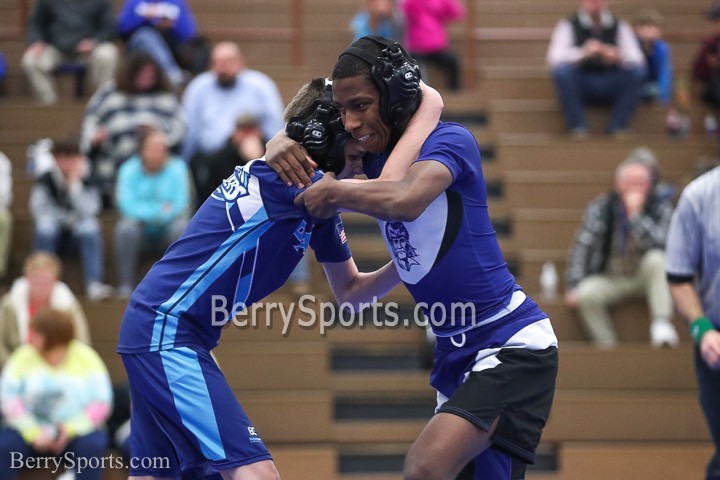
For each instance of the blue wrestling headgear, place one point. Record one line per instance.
(396, 75)
(321, 132)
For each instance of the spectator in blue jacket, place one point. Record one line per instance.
(153, 197)
(160, 28)
(658, 82)
(379, 17)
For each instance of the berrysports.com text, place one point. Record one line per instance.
(69, 462)
(309, 313)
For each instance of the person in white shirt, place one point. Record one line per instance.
(214, 100)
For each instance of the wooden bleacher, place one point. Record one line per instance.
(614, 415)
(616, 412)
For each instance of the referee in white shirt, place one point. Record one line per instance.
(693, 271)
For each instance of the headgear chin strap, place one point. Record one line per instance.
(396, 75)
(321, 132)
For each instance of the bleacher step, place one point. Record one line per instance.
(634, 460)
(625, 415)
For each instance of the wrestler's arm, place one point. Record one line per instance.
(295, 167)
(422, 123)
(359, 289)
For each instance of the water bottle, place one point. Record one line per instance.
(30, 160)
(548, 281)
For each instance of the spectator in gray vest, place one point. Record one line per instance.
(595, 58)
(69, 30)
(618, 254)
(65, 204)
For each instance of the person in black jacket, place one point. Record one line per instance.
(210, 169)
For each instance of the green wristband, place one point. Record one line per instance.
(699, 327)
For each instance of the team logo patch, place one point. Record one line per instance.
(234, 187)
(253, 435)
(302, 235)
(399, 239)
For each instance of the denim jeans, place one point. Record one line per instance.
(150, 41)
(619, 87)
(85, 235)
(90, 446)
(709, 392)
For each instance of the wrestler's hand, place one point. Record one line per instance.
(290, 160)
(320, 198)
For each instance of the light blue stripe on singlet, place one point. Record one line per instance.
(242, 291)
(192, 399)
(241, 241)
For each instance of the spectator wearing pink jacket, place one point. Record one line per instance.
(426, 36)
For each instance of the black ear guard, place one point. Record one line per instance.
(396, 75)
(321, 133)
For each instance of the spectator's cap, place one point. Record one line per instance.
(648, 17)
(246, 121)
(714, 12)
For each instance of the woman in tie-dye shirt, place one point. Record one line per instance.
(55, 394)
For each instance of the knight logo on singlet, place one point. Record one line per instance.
(399, 238)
